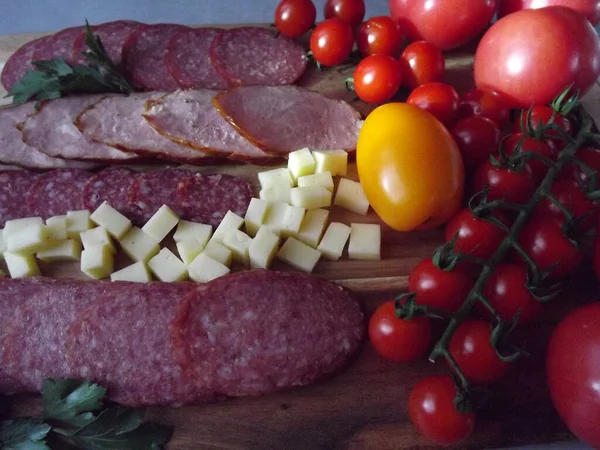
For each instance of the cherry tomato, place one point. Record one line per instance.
(542, 148)
(589, 8)
(486, 104)
(331, 42)
(590, 157)
(351, 12)
(379, 35)
(293, 18)
(475, 236)
(395, 143)
(573, 372)
(571, 197)
(531, 56)
(397, 339)
(440, 99)
(447, 24)
(471, 349)
(422, 63)
(544, 115)
(504, 183)
(432, 412)
(477, 138)
(544, 241)
(507, 292)
(377, 78)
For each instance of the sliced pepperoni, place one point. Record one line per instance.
(56, 192)
(20, 62)
(14, 185)
(115, 186)
(59, 45)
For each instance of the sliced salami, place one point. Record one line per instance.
(115, 186)
(144, 57)
(188, 59)
(59, 45)
(56, 192)
(20, 62)
(14, 185)
(248, 56)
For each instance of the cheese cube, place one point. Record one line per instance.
(255, 215)
(274, 219)
(263, 248)
(333, 242)
(299, 255)
(21, 266)
(138, 245)
(238, 242)
(57, 228)
(334, 161)
(77, 221)
(313, 226)
(323, 179)
(14, 225)
(301, 163)
(189, 248)
(96, 236)
(204, 269)
(167, 267)
(199, 231)
(29, 240)
(137, 272)
(275, 177)
(115, 223)
(65, 250)
(218, 252)
(230, 221)
(350, 195)
(161, 223)
(365, 241)
(311, 197)
(292, 220)
(276, 194)
(97, 261)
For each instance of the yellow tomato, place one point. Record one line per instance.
(409, 167)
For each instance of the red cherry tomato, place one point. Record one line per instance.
(503, 183)
(351, 12)
(377, 78)
(398, 339)
(544, 115)
(379, 35)
(422, 63)
(477, 138)
(572, 197)
(486, 104)
(293, 18)
(331, 42)
(590, 157)
(542, 148)
(432, 412)
(471, 349)
(589, 8)
(506, 290)
(440, 99)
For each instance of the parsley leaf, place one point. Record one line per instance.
(71, 401)
(23, 434)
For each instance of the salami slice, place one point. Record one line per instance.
(113, 36)
(188, 59)
(20, 62)
(115, 186)
(14, 185)
(256, 56)
(59, 45)
(56, 192)
(144, 57)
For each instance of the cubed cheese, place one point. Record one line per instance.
(323, 179)
(97, 236)
(21, 266)
(334, 161)
(351, 196)
(189, 248)
(14, 225)
(255, 215)
(77, 221)
(365, 241)
(263, 248)
(29, 240)
(167, 267)
(292, 220)
(333, 242)
(97, 261)
(199, 231)
(311, 197)
(161, 223)
(218, 252)
(238, 242)
(276, 194)
(57, 228)
(231, 221)
(65, 250)
(136, 272)
(274, 219)
(301, 163)
(313, 226)
(204, 269)
(115, 223)
(299, 255)
(138, 245)
(275, 177)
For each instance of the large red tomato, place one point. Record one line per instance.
(447, 24)
(531, 56)
(574, 373)
(589, 8)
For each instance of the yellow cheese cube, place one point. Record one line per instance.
(138, 245)
(333, 242)
(14, 225)
(311, 197)
(229, 222)
(97, 236)
(276, 194)
(313, 226)
(299, 255)
(274, 177)
(136, 272)
(77, 221)
(301, 163)
(218, 252)
(263, 248)
(29, 240)
(351, 196)
(238, 242)
(115, 223)
(189, 248)
(199, 231)
(167, 267)
(323, 179)
(334, 161)
(204, 269)
(97, 261)
(274, 219)
(65, 250)
(57, 228)
(365, 241)
(21, 266)
(161, 223)
(292, 220)
(255, 215)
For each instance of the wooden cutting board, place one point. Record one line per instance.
(365, 406)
